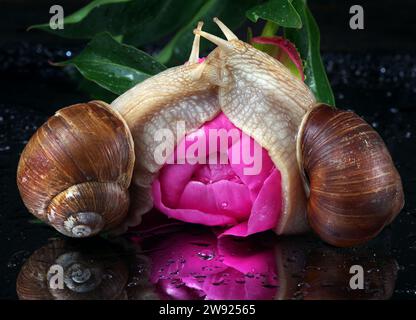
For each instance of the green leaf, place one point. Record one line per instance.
(114, 66)
(307, 41)
(78, 26)
(280, 12)
(162, 19)
(131, 21)
(82, 13)
(231, 12)
(95, 91)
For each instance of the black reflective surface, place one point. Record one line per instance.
(190, 263)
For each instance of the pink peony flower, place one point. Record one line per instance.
(284, 51)
(225, 193)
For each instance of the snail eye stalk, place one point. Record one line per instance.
(194, 57)
(227, 32)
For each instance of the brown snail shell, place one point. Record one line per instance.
(354, 187)
(75, 170)
(94, 269)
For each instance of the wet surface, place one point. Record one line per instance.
(381, 88)
(191, 263)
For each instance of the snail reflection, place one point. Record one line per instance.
(93, 269)
(190, 263)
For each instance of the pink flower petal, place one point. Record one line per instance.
(189, 215)
(268, 205)
(265, 212)
(173, 180)
(239, 166)
(287, 47)
(222, 197)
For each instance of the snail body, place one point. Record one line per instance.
(262, 98)
(355, 189)
(182, 93)
(255, 91)
(76, 169)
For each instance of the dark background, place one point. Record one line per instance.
(372, 71)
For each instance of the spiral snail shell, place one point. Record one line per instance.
(68, 270)
(354, 187)
(76, 169)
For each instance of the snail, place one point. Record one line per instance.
(341, 180)
(69, 270)
(224, 82)
(75, 171)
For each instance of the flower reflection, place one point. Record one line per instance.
(188, 262)
(195, 265)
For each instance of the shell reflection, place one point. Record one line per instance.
(191, 263)
(65, 269)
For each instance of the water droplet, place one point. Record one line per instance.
(206, 255)
(224, 205)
